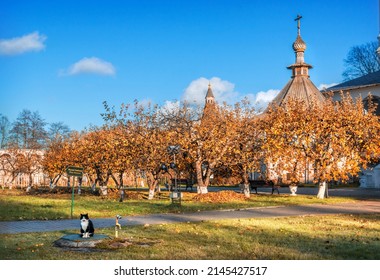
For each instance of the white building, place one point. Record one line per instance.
(360, 87)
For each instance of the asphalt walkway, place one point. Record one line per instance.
(359, 207)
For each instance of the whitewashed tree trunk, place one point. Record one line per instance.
(247, 191)
(103, 190)
(202, 190)
(322, 190)
(293, 190)
(151, 194)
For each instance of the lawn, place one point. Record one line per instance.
(17, 205)
(344, 237)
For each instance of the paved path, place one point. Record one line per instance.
(359, 207)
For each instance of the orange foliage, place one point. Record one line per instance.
(218, 197)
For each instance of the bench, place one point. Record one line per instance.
(254, 184)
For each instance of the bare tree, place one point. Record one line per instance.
(361, 60)
(4, 131)
(28, 131)
(58, 131)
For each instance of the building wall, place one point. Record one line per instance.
(8, 178)
(363, 92)
(269, 172)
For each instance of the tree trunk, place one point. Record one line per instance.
(54, 181)
(93, 186)
(118, 183)
(151, 194)
(247, 191)
(103, 190)
(30, 183)
(121, 179)
(207, 177)
(79, 185)
(203, 177)
(322, 191)
(152, 184)
(201, 187)
(51, 184)
(246, 186)
(102, 183)
(122, 194)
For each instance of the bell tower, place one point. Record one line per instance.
(210, 99)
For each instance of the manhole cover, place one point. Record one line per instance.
(76, 241)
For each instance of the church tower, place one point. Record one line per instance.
(210, 99)
(211, 108)
(300, 87)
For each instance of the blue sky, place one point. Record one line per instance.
(64, 58)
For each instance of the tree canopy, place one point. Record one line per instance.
(335, 141)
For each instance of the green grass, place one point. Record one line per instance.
(17, 205)
(313, 237)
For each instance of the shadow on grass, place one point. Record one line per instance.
(325, 237)
(331, 239)
(20, 210)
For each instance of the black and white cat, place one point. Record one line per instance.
(86, 226)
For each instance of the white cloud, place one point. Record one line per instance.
(27, 43)
(266, 96)
(325, 86)
(92, 65)
(223, 90)
(261, 99)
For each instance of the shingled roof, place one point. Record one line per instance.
(371, 79)
(300, 88)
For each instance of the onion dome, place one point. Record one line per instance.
(299, 45)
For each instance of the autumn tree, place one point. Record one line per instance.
(288, 135)
(205, 136)
(347, 140)
(245, 153)
(336, 139)
(27, 138)
(120, 154)
(23, 162)
(92, 153)
(147, 139)
(58, 155)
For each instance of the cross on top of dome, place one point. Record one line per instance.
(299, 45)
